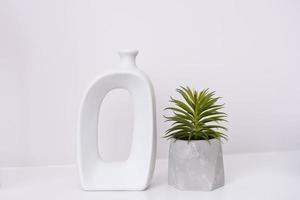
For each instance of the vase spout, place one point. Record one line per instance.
(127, 57)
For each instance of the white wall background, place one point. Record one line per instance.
(248, 51)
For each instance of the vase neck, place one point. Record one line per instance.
(127, 58)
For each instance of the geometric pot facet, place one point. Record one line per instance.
(196, 165)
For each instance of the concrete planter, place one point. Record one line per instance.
(197, 165)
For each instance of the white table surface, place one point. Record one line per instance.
(248, 176)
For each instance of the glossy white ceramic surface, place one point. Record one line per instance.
(136, 172)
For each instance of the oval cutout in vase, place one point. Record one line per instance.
(136, 172)
(115, 125)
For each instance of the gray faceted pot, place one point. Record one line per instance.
(196, 165)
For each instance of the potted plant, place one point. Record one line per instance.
(195, 154)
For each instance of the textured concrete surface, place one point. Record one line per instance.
(197, 165)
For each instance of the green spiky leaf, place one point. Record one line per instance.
(196, 117)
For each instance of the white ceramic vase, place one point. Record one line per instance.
(196, 165)
(136, 172)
